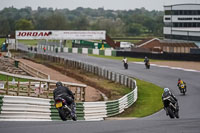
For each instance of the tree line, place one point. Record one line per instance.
(117, 23)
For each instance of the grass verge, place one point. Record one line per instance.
(10, 78)
(1, 41)
(149, 100)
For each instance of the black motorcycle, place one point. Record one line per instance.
(171, 107)
(147, 65)
(182, 88)
(64, 109)
(125, 65)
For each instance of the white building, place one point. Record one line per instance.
(182, 22)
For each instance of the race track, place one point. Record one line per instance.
(165, 77)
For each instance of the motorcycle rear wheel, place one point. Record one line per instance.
(62, 114)
(126, 66)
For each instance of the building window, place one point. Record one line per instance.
(168, 12)
(186, 12)
(194, 25)
(180, 37)
(183, 24)
(190, 12)
(175, 12)
(175, 24)
(180, 12)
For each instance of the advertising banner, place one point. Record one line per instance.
(60, 35)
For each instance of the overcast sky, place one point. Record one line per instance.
(106, 4)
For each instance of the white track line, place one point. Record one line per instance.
(177, 68)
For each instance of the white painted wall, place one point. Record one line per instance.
(95, 51)
(51, 48)
(59, 49)
(66, 49)
(85, 50)
(108, 52)
(74, 50)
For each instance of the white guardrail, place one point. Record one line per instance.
(20, 108)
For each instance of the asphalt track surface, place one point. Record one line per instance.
(189, 121)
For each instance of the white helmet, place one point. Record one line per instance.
(166, 89)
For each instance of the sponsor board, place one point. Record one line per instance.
(61, 35)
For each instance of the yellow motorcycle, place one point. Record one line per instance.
(182, 88)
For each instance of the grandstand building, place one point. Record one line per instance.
(182, 22)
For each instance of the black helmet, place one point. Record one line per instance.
(58, 84)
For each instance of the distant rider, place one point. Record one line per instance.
(125, 61)
(146, 60)
(67, 94)
(167, 93)
(181, 82)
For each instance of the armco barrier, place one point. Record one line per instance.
(32, 109)
(27, 108)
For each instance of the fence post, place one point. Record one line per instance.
(7, 85)
(18, 87)
(48, 88)
(83, 89)
(29, 87)
(39, 89)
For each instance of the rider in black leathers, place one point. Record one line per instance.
(67, 94)
(167, 93)
(146, 60)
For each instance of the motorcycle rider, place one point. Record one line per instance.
(146, 60)
(125, 61)
(180, 82)
(167, 93)
(66, 94)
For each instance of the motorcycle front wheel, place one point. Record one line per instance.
(170, 112)
(176, 114)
